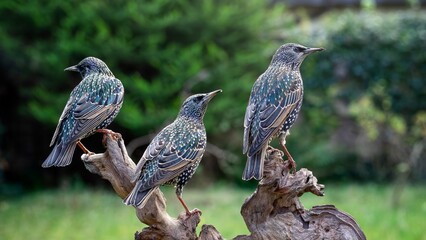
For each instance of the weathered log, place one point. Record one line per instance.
(118, 168)
(273, 211)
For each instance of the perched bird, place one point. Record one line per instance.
(93, 105)
(174, 154)
(274, 104)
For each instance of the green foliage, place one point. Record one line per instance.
(374, 47)
(99, 214)
(366, 91)
(161, 50)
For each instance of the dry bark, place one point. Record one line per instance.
(273, 211)
(116, 166)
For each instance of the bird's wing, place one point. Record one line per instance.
(92, 109)
(152, 151)
(63, 116)
(272, 112)
(274, 115)
(250, 110)
(250, 114)
(172, 160)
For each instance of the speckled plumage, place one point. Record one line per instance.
(174, 154)
(274, 104)
(93, 104)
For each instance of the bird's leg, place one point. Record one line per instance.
(188, 213)
(289, 158)
(286, 152)
(85, 150)
(183, 204)
(113, 134)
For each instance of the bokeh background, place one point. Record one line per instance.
(361, 131)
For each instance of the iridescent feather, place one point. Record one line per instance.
(274, 104)
(174, 154)
(93, 104)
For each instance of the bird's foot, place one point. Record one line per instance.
(86, 156)
(194, 211)
(291, 165)
(190, 219)
(115, 136)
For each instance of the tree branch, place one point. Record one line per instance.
(118, 168)
(273, 211)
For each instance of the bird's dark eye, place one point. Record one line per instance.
(199, 98)
(83, 67)
(298, 49)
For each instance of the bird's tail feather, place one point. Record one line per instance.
(254, 166)
(138, 198)
(60, 156)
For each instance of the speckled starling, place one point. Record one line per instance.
(93, 105)
(274, 104)
(174, 154)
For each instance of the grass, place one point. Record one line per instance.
(99, 214)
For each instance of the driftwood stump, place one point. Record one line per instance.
(273, 211)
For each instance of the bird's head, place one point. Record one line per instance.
(90, 65)
(292, 54)
(195, 106)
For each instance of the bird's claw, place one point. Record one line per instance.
(189, 214)
(115, 136)
(194, 211)
(87, 155)
(291, 165)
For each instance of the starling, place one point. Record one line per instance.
(274, 104)
(174, 154)
(93, 105)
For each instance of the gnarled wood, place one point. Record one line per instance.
(118, 168)
(273, 211)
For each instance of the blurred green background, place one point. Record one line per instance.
(361, 131)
